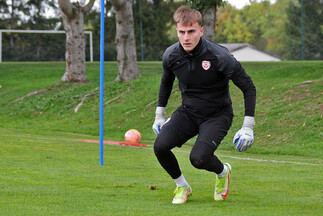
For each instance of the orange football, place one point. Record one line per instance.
(132, 136)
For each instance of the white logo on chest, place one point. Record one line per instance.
(206, 65)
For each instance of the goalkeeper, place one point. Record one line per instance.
(203, 70)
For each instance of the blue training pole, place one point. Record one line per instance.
(101, 80)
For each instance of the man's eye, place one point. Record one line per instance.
(191, 31)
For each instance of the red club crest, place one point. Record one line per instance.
(206, 65)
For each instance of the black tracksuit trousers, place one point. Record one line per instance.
(184, 125)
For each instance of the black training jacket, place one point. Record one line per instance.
(203, 76)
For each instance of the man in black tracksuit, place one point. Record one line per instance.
(203, 69)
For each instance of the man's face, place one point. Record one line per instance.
(189, 36)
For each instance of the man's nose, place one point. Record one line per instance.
(186, 36)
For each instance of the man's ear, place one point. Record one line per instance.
(202, 31)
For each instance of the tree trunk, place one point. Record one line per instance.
(12, 23)
(73, 18)
(125, 41)
(209, 18)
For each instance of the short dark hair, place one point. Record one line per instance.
(187, 16)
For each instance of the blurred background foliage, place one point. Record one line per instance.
(272, 27)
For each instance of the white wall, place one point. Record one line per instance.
(249, 54)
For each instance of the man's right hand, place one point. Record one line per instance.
(159, 120)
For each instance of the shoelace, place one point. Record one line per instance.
(220, 184)
(178, 192)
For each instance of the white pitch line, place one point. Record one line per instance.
(271, 161)
(261, 160)
(177, 150)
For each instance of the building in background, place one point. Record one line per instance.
(247, 52)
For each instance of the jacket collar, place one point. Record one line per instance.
(195, 51)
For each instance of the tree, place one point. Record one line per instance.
(237, 30)
(38, 20)
(258, 20)
(208, 9)
(248, 24)
(156, 20)
(73, 18)
(31, 15)
(312, 34)
(260, 24)
(125, 41)
(223, 15)
(92, 22)
(14, 10)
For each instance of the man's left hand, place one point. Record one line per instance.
(244, 138)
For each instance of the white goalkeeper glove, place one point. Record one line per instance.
(159, 120)
(244, 138)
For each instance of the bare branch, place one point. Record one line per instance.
(113, 99)
(88, 7)
(118, 3)
(82, 101)
(151, 103)
(30, 94)
(66, 7)
(133, 110)
(36, 93)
